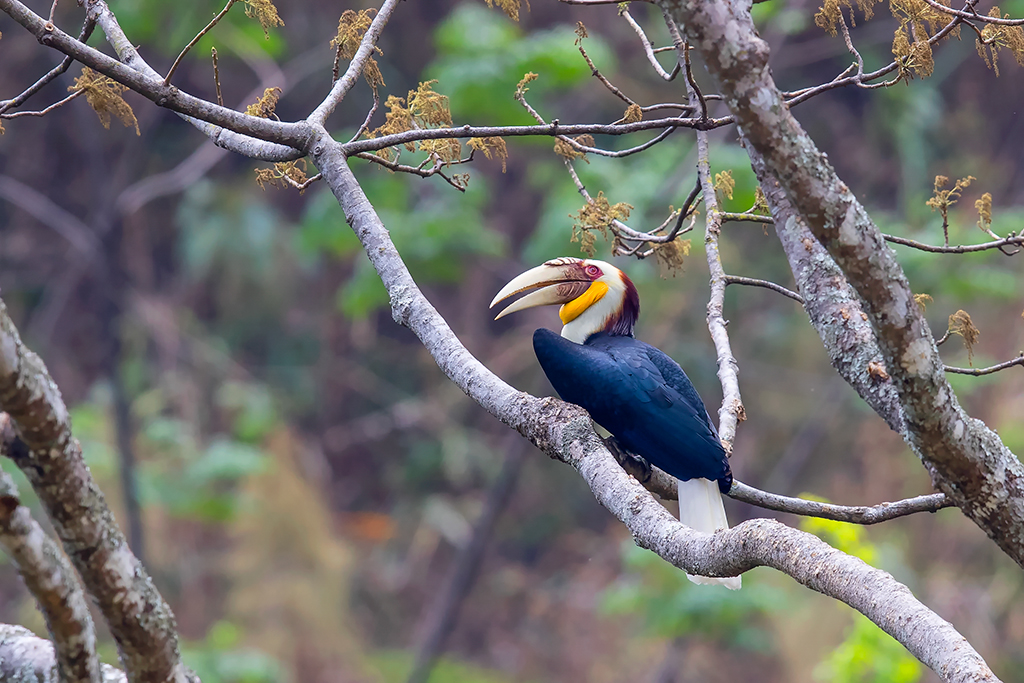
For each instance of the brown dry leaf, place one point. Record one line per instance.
(830, 13)
(961, 323)
(724, 184)
(429, 108)
(564, 149)
(671, 256)
(447, 150)
(265, 105)
(581, 33)
(984, 208)
(509, 7)
(1000, 38)
(264, 12)
(633, 114)
(104, 95)
(351, 27)
(521, 88)
(295, 171)
(492, 147)
(596, 215)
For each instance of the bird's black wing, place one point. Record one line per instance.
(677, 379)
(617, 381)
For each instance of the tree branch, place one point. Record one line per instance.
(252, 136)
(960, 249)
(553, 129)
(858, 514)
(978, 372)
(753, 282)
(564, 431)
(26, 657)
(732, 412)
(968, 461)
(367, 45)
(139, 619)
(87, 29)
(48, 576)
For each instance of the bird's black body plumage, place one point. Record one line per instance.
(642, 397)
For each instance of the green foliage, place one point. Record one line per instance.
(433, 233)
(220, 659)
(869, 655)
(394, 666)
(669, 605)
(482, 55)
(165, 29)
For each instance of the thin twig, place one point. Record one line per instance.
(553, 129)
(978, 372)
(973, 15)
(343, 85)
(862, 80)
(752, 282)
(366, 122)
(436, 169)
(181, 56)
(693, 84)
(83, 36)
(43, 112)
(858, 514)
(649, 49)
(685, 211)
(53, 9)
(599, 76)
(746, 217)
(961, 249)
(944, 339)
(849, 44)
(301, 187)
(216, 76)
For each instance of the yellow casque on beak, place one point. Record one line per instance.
(557, 282)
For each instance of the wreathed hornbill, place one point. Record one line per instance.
(631, 389)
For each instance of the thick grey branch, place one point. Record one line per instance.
(564, 431)
(27, 658)
(49, 578)
(968, 461)
(139, 619)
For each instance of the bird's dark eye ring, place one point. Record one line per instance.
(593, 271)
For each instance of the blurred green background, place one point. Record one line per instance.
(305, 474)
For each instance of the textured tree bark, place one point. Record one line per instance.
(27, 658)
(139, 619)
(967, 460)
(49, 578)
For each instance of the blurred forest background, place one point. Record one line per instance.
(305, 476)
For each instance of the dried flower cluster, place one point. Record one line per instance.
(104, 95)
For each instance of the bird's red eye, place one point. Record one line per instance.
(593, 271)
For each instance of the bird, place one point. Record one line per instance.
(631, 389)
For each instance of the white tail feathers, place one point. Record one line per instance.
(701, 508)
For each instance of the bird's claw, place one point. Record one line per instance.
(632, 463)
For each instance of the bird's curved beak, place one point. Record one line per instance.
(556, 282)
